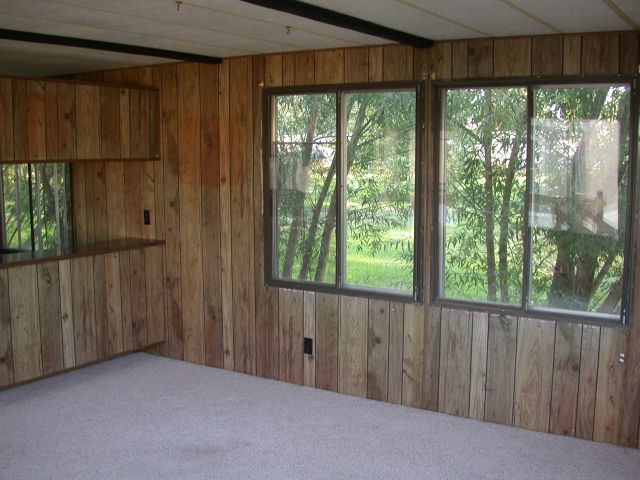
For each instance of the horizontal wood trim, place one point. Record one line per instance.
(21, 259)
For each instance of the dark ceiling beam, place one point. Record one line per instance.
(324, 15)
(22, 36)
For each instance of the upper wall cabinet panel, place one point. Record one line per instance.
(62, 121)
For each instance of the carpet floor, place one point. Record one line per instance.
(145, 417)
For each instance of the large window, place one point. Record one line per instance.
(535, 192)
(342, 189)
(35, 207)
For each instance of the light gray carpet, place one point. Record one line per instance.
(144, 417)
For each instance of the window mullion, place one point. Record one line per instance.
(526, 270)
(340, 191)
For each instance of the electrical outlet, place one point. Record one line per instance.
(147, 217)
(308, 346)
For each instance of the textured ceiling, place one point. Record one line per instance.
(227, 28)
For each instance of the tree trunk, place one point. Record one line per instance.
(489, 204)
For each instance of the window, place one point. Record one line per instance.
(343, 178)
(35, 212)
(535, 197)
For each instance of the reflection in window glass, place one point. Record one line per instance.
(304, 170)
(380, 193)
(580, 160)
(483, 176)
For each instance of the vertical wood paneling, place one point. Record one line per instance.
(114, 304)
(571, 54)
(6, 352)
(480, 58)
(154, 294)
(396, 349)
(210, 180)
(566, 376)
(48, 287)
(241, 180)
(460, 59)
(534, 369)
(588, 381)
(412, 360)
(84, 328)
(6, 120)
(327, 316)
(512, 57)
(478, 386)
(431, 369)
(546, 55)
(501, 368)
(309, 367)
(352, 346)
(600, 54)
(291, 328)
(25, 328)
(455, 362)
(378, 350)
(66, 313)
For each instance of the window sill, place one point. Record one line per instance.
(22, 259)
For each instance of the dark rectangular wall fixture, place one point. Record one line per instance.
(337, 19)
(32, 37)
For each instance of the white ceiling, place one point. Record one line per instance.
(227, 28)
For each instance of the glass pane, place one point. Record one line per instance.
(381, 158)
(483, 177)
(15, 207)
(580, 172)
(304, 167)
(52, 206)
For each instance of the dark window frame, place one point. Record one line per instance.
(269, 210)
(631, 237)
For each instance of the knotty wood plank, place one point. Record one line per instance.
(66, 313)
(455, 362)
(396, 352)
(48, 280)
(6, 120)
(225, 217)
(242, 246)
(610, 391)
(169, 107)
(481, 58)
(84, 328)
(291, 312)
(139, 324)
(190, 207)
(566, 377)
(501, 367)
(571, 54)
(356, 66)
(512, 57)
(101, 307)
(267, 339)
(546, 55)
(460, 59)
(600, 53)
(126, 292)
(431, 369)
(421, 64)
(441, 61)
(36, 121)
(412, 359)
(6, 352)
(210, 212)
(114, 304)
(329, 67)
(376, 61)
(352, 346)
(479, 345)
(397, 63)
(155, 296)
(309, 365)
(327, 315)
(25, 329)
(589, 354)
(378, 350)
(66, 121)
(534, 371)
(629, 53)
(20, 121)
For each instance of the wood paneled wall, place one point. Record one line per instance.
(63, 314)
(561, 377)
(54, 120)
